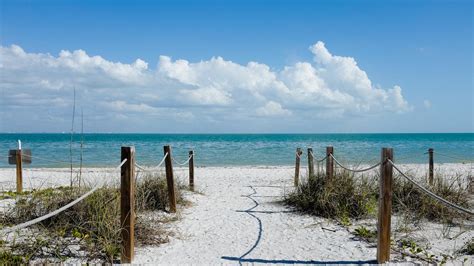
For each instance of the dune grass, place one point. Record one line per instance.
(89, 230)
(341, 198)
(347, 196)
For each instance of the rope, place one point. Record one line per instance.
(51, 214)
(355, 170)
(450, 204)
(185, 162)
(141, 167)
(298, 155)
(153, 167)
(321, 160)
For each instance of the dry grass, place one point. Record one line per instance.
(89, 230)
(341, 198)
(346, 196)
(416, 205)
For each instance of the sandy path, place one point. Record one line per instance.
(238, 219)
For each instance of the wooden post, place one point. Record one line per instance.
(19, 172)
(170, 178)
(297, 166)
(385, 206)
(310, 162)
(329, 162)
(431, 172)
(191, 170)
(127, 204)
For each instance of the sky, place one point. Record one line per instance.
(237, 66)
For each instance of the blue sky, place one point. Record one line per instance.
(422, 47)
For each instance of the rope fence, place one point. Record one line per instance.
(431, 194)
(150, 169)
(355, 170)
(385, 191)
(56, 212)
(127, 187)
(183, 163)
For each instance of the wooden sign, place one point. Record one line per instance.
(25, 156)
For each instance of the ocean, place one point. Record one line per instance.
(99, 150)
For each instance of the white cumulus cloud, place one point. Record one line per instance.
(216, 90)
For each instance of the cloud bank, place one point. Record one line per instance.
(38, 87)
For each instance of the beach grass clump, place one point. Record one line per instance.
(90, 229)
(93, 223)
(347, 196)
(416, 204)
(341, 197)
(152, 193)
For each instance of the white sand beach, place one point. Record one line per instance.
(236, 216)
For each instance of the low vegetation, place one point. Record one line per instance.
(89, 230)
(409, 200)
(341, 198)
(468, 249)
(347, 196)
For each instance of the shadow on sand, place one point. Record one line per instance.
(283, 261)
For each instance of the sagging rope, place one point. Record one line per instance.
(450, 204)
(318, 161)
(354, 170)
(153, 167)
(51, 214)
(184, 163)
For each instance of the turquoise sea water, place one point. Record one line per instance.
(52, 150)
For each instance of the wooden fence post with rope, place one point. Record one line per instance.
(297, 166)
(191, 170)
(329, 162)
(170, 178)
(385, 206)
(431, 167)
(127, 204)
(310, 163)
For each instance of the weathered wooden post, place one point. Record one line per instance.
(127, 204)
(191, 170)
(18, 157)
(431, 168)
(310, 162)
(19, 170)
(170, 178)
(385, 206)
(329, 162)
(297, 166)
